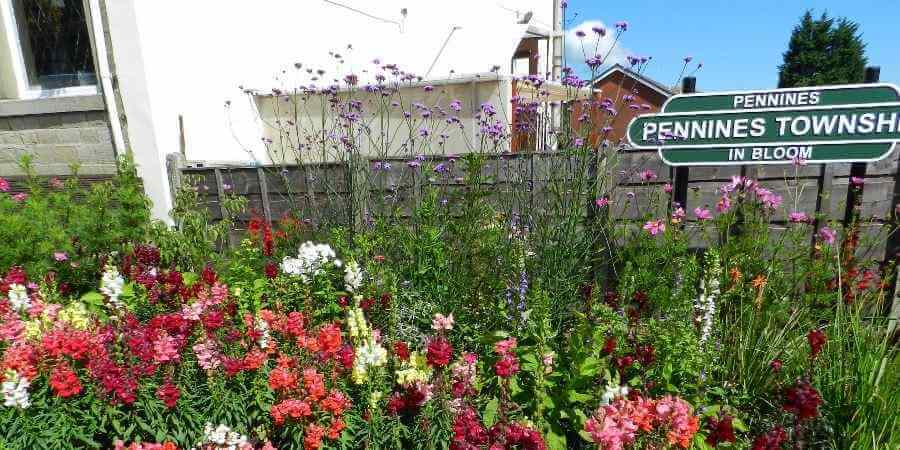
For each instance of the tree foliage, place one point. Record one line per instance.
(823, 51)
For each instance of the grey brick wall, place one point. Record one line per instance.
(56, 140)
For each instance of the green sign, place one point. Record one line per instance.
(851, 123)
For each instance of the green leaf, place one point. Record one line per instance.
(490, 412)
(590, 367)
(554, 440)
(739, 425)
(577, 397)
(585, 435)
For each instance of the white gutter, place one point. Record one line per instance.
(101, 59)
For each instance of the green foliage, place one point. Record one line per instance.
(823, 52)
(84, 223)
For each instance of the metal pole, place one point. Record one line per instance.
(682, 173)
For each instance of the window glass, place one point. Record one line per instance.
(55, 43)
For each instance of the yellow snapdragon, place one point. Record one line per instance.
(75, 315)
(413, 370)
(356, 322)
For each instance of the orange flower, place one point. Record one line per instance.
(759, 282)
(735, 274)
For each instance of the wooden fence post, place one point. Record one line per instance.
(682, 173)
(858, 170)
(264, 194)
(175, 162)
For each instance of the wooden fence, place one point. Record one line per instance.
(332, 192)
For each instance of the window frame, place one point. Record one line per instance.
(14, 83)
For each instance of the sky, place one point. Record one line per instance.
(739, 42)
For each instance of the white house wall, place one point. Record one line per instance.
(473, 91)
(195, 54)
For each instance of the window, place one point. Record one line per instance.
(49, 48)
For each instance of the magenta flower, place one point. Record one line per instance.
(20, 197)
(856, 181)
(60, 256)
(702, 214)
(4, 185)
(798, 217)
(724, 204)
(678, 215)
(647, 175)
(667, 188)
(580, 34)
(601, 202)
(655, 227)
(827, 235)
(599, 30)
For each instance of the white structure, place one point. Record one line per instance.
(176, 64)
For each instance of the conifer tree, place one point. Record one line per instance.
(823, 51)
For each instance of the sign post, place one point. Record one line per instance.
(851, 123)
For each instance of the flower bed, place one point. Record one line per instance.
(315, 352)
(473, 318)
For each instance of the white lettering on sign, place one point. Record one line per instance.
(846, 124)
(776, 99)
(780, 153)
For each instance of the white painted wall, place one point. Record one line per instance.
(194, 55)
(471, 91)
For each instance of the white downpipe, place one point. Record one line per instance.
(105, 75)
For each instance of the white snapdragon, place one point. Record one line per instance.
(112, 284)
(263, 328)
(368, 354)
(612, 392)
(709, 292)
(18, 297)
(353, 276)
(15, 390)
(310, 260)
(222, 438)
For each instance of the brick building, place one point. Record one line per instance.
(631, 93)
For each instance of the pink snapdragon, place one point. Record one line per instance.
(441, 322)
(827, 235)
(702, 214)
(798, 217)
(655, 227)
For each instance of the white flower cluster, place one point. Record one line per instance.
(112, 285)
(222, 438)
(368, 354)
(263, 328)
(709, 291)
(353, 276)
(18, 297)
(310, 260)
(612, 392)
(15, 390)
